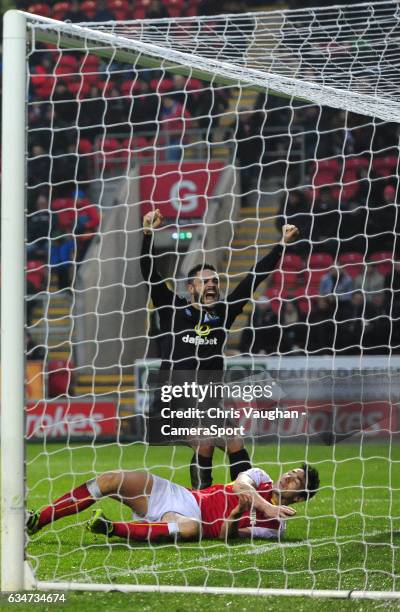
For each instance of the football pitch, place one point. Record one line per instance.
(347, 537)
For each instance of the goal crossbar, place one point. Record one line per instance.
(140, 53)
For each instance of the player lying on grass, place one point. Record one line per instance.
(252, 506)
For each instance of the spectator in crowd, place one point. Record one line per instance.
(174, 122)
(326, 222)
(87, 222)
(392, 292)
(262, 332)
(142, 109)
(249, 151)
(38, 166)
(321, 332)
(75, 15)
(338, 287)
(295, 208)
(62, 256)
(34, 352)
(156, 10)
(38, 228)
(91, 112)
(383, 221)
(369, 326)
(102, 12)
(293, 328)
(370, 281)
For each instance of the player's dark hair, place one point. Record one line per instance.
(311, 481)
(193, 271)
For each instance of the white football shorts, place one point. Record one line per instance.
(166, 496)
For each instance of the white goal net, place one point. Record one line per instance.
(223, 130)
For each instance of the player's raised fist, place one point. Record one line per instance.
(289, 233)
(152, 220)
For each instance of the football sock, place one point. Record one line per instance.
(201, 471)
(144, 531)
(73, 502)
(240, 462)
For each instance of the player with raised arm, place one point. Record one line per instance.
(193, 333)
(253, 506)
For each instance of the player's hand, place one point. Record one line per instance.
(152, 220)
(272, 511)
(289, 233)
(245, 502)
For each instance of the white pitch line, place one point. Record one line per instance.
(257, 550)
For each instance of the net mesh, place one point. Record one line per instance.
(123, 120)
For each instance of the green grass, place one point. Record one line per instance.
(345, 538)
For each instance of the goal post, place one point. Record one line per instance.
(308, 57)
(12, 302)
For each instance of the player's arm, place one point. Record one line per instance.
(160, 294)
(230, 527)
(243, 292)
(245, 487)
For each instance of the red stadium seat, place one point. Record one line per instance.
(162, 85)
(60, 9)
(35, 273)
(385, 165)
(128, 88)
(303, 302)
(59, 377)
(40, 9)
(325, 172)
(85, 146)
(287, 281)
(292, 263)
(320, 261)
(275, 296)
(353, 263)
(89, 7)
(384, 261)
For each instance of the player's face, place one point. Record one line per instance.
(205, 287)
(290, 482)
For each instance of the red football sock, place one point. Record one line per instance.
(71, 503)
(141, 531)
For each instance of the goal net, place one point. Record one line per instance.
(231, 126)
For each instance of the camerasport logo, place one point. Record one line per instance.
(56, 420)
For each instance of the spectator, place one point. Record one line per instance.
(75, 15)
(156, 10)
(38, 228)
(326, 222)
(338, 286)
(87, 222)
(249, 151)
(369, 327)
(392, 291)
(62, 255)
(142, 109)
(262, 331)
(294, 208)
(103, 13)
(174, 119)
(32, 350)
(370, 281)
(321, 333)
(293, 329)
(92, 111)
(383, 221)
(38, 166)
